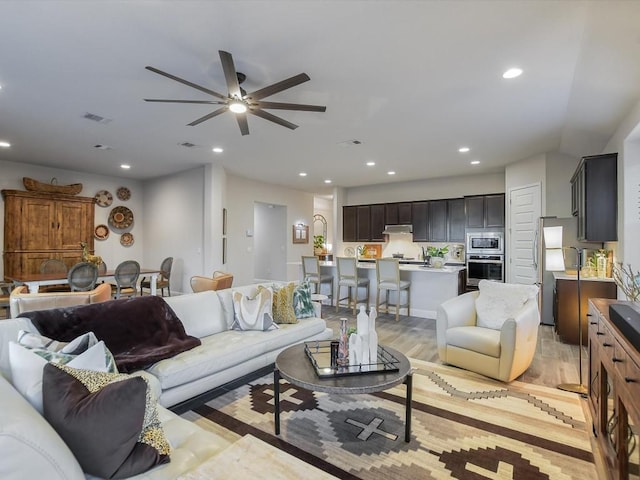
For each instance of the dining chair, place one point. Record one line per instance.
(218, 282)
(388, 279)
(54, 265)
(163, 279)
(312, 274)
(5, 292)
(348, 277)
(82, 277)
(126, 277)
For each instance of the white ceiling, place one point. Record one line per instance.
(411, 80)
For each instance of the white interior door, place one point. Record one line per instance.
(525, 208)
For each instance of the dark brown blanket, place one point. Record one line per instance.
(138, 331)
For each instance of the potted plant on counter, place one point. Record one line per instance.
(437, 255)
(318, 244)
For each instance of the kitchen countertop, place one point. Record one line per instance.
(567, 276)
(405, 267)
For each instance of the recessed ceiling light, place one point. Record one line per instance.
(464, 149)
(512, 73)
(5, 144)
(327, 181)
(124, 166)
(218, 149)
(475, 162)
(370, 164)
(391, 172)
(303, 174)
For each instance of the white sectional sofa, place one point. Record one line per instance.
(32, 449)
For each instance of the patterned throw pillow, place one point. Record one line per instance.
(283, 311)
(108, 420)
(302, 304)
(253, 313)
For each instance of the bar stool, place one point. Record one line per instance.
(388, 276)
(311, 273)
(348, 277)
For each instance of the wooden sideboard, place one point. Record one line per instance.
(39, 226)
(614, 391)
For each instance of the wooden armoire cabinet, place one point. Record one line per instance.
(38, 226)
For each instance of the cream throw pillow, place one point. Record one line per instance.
(253, 313)
(499, 301)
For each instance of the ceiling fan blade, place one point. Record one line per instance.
(273, 118)
(186, 82)
(280, 86)
(242, 123)
(292, 106)
(207, 102)
(230, 74)
(208, 116)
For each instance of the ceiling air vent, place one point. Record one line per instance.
(349, 143)
(96, 118)
(100, 146)
(187, 144)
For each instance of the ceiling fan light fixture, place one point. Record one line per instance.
(237, 106)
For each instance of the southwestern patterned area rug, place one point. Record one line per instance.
(464, 426)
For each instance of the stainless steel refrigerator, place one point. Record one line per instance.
(545, 279)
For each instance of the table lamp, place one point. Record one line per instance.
(554, 262)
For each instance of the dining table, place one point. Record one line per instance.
(34, 280)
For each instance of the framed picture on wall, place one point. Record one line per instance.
(301, 233)
(224, 251)
(224, 221)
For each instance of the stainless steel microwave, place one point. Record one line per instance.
(485, 243)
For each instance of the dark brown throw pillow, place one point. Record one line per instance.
(109, 421)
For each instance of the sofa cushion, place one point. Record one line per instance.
(230, 348)
(283, 311)
(302, 304)
(499, 301)
(27, 366)
(29, 445)
(200, 313)
(481, 340)
(109, 421)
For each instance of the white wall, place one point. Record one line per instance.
(270, 246)
(174, 219)
(430, 189)
(110, 250)
(559, 170)
(242, 193)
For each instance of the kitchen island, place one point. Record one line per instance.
(429, 286)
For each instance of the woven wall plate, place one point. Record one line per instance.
(103, 198)
(126, 239)
(120, 217)
(123, 193)
(101, 232)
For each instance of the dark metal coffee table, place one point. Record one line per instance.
(293, 365)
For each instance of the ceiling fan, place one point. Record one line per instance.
(239, 101)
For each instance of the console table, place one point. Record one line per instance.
(614, 391)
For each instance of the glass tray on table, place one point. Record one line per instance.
(319, 354)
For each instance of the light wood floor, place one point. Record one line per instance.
(555, 362)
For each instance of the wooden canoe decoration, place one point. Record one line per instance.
(53, 187)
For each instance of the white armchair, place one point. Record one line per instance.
(493, 331)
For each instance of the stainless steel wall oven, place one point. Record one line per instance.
(485, 257)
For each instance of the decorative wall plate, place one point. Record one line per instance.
(103, 198)
(101, 232)
(123, 193)
(121, 217)
(126, 239)
(349, 252)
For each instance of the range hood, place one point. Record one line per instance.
(398, 229)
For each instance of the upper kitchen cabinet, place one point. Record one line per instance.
(363, 223)
(485, 211)
(349, 222)
(456, 220)
(377, 222)
(420, 221)
(594, 198)
(398, 213)
(438, 221)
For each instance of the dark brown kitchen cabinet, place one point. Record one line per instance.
(349, 222)
(594, 198)
(565, 305)
(398, 213)
(420, 221)
(456, 220)
(363, 224)
(485, 211)
(377, 222)
(438, 221)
